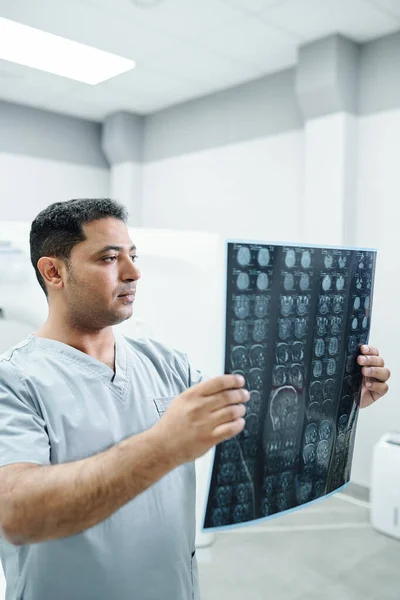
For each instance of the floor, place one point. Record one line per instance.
(327, 551)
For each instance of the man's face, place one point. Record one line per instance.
(101, 272)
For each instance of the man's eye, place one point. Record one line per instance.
(109, 258)
(134, 257)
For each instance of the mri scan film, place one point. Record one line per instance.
(295, 320)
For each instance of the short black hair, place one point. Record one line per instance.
(59, 227)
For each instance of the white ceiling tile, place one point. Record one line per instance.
(254, 5)
(186, 19)
(312, 19)
(79, 21)
(391, 6)
(198, 64)
(252, 41)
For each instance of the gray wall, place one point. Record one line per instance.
(42, 134)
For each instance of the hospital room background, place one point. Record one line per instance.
(271, 120)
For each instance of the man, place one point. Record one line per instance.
(98, 433)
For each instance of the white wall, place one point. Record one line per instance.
(247, 190)
(377, 225)
(27, 185)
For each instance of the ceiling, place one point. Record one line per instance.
(184, 49)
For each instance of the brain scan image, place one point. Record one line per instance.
(352, 344)
(223, 495)
(296, 376)
(297, 352)
(327, 409)
(254, 403)
(314, 411)
(263, 257)
(295, 318)
(327, 283)
(323, 451)
(322, 325)
(324, 305)
(243, 492)
(240, 332)
(230, 450)
(300, 328)
(288, 282)
(350, 364)
(244, 256)
(239, 357)
(228, 473)
(242, 281)
(329, 388)
(241, 306)
(285, 329)
(290, 259)
(309, 453)
(252, 425)
(319, 348)
(302, 305)
(304, 282)
(338, 304)
(342, 424)
(340, 283)
(306, 259)
(311, 433)
(261, 307)
(257, 356)
(262, 282)
(333, 346)
(316, 393)
(282, 354)
(287, 303)
(255, 379)
(259, 330)
(331, 366)
(284, 404)
(325, 431)
(279, 376)
(317, 369)
(336, 324)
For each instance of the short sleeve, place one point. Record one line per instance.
(23, 434)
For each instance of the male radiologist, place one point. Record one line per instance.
(98, 432)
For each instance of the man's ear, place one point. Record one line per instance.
(53, 271)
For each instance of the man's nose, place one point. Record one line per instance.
(131, 272)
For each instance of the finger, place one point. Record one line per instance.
(369, 350)
(378, 373)
(227, 398)
(219, 384)
(377, 387)
(227, 414)
(374, 361)
(228, 430)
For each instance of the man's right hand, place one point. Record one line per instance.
(202, 416)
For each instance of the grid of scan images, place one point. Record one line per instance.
(295, 319)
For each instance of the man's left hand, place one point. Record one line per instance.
(375, 376)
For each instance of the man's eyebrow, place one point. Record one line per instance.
(116, 248)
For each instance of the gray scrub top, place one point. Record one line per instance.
(57, 404)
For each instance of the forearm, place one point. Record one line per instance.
(58, 501)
